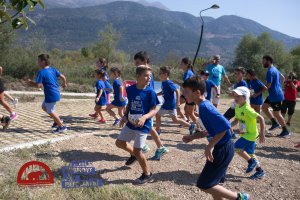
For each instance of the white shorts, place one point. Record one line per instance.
(215, 100)
(171, 113)
(49, 107)
(128, 134)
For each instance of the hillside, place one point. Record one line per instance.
(155, 30)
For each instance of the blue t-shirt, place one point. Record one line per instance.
(101, 86)
(107, 86)
(48, 77)
(188, 74)
(209, 85)
(168, 90)
(275, 91)
(240, 84)
(140, 102)
(214, 122)
(151, 84)
(257, 86)
(116, 85)
(215, 73)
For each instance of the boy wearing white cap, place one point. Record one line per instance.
(246, 117)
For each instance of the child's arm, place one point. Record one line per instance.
(141, 121)
(1, 71)
(159, 93)
(121, 93)
(196, 135)
(212, 143)
(177, 98)
(31, 83)
(264, 88)
(262, 129)
(99, 95)
(125, 117)
(216, 89)
(234, 122)
(64, 80)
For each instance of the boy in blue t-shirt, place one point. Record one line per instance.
(171, 96)
(142, 106)
(48, 78)
(220, 149)
(275, 98)
(101, 98)
(211, 87)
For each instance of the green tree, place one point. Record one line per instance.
(7, 37)
(106, 46)
(14, 12)
(251, 49)
(295, 53)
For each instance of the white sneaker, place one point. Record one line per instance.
(15, 102)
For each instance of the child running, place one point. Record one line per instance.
(171, 96)
(290, 97)
(142, 106)
(48, 78)
(101, 98)
(247, 117)
(258, 88)
(13, 114)
(210, 86)
(119, 101)
(142, 59)
(220, 150)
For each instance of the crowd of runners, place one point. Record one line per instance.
(138, 103)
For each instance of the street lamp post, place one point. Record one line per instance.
(215, 6)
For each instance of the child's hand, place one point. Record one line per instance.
(97, 99)
(262, 138)
(123, 121)
(64, 85)
(217, 96)
(208, 154)
(187, 139)
(140, 122)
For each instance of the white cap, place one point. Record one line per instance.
(243, 91)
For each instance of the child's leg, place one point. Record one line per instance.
(56, 119)
(179, 111)
(190, 112)
(279, 118)
(180, 121)
(121, 111)
(244, 155)
(124, 138)
(8, 96)
(49, 108)
(265, 109)
(141, 159)
(219, 192)
(156, 138)
(110, 112)
(125, 146)
(291, 110)
(256, 108)
(5, 104)
(158, 122)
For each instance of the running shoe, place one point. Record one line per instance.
(243, 196)
(274, 126)
(258, 175)
(13, 116)
(102, 121)
(15, 102)
(93, 115)
(192, 128)
(284, 133)
(297, 145)
(251, 166)
(146, 148)
(144, 179)
(54, 125)
(60, 129)
(117, 121)
(159, 153)
(5, 122)
(131, 160)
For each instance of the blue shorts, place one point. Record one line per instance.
(214, 172)
(49, 107)
(119, 103)
(245, 145)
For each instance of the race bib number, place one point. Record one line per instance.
(132, 118)
(242, 128)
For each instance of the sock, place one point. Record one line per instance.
(284, 128)
(273, 121)
(259, 169)
(250, 160)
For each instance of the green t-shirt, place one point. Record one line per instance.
(247, 121)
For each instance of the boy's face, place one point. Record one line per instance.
(248, 76)
(40, 63)
(190, 95)
(239, 99)
(144, 78)
(205, 77)
(215, 61)
(138, 62)
(163, 76)
(238, 75)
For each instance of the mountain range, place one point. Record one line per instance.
(158, 31)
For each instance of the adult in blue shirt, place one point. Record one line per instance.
(48, 78)
(274, 100)
(216, 72)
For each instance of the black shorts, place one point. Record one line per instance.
(288, 106)
(229, 114)
(186, 102)
(276, 106)
(2, 89)
(214, 172)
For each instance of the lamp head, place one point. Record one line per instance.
(215, 6)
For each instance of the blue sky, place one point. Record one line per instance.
(279, 15)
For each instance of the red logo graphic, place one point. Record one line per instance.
(127, 84)
(35, 173)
